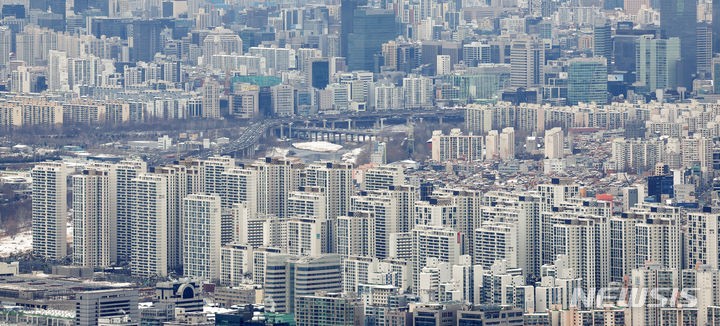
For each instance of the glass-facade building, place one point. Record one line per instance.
(587, 81)
(371, 28)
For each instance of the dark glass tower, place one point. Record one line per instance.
(678, 18)
(602, 37)
(146, 39)
(347, 16)
(319, 73)
(716, 25)
(371, 28)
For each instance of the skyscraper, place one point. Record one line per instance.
(587, 81)
(49, 209)
(704, 49)
(177, 181)
(274, 182)
(319, 75)
(5, 45)
(94, 219)
(371, 28)
(336, 180)
(211, 99)
(126, 171)
(148, 215)
(201, 236)
(288, 276)
(657, 62)
(146, 39)
(678, 18)
(527, 58)
(347, 17)
(602, 41)
(716, 26)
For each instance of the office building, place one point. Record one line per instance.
(288, 277)
(184, 294)
(657, 62)
(347, 18)
(283, 99)
(326, 309)
(94, 306)
(527, 59)
(245, 104)
(489, 315)
(678, 18)
(146, 39)
(370, 29)
(602, 41)
(319, 74)
(587, 81)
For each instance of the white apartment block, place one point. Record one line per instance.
(213, 170)
(456, 146)
(507, 144)
(336, 179)
(94, 228)
(401, 245)
(49, 210)
(239, 186)
(495, 241)
(274, 183)
(434, 242)
(126, 171)
(355, 234)
(437, 211)
(307, 202)
(384, 211)
(201, 236)
(554, 143)
(701, 239)
(177, 185)
(382, 177)
(236, 264)
(148, 227)
(307, 236)
(658, 236)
